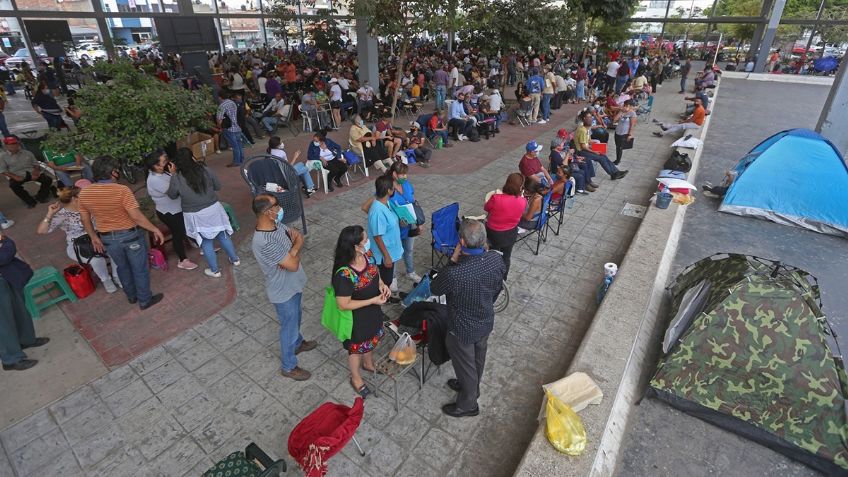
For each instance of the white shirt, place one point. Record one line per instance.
(612, 68)
(157, 188)
(279, 153)
(454, 76)
(560, 83)
(335, 92)
(275, 106)
(366, 93)
(261, 82)
(344, 83)
(326, 154)
(495, 101)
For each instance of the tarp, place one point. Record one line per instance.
(795, 177)
(750, 351)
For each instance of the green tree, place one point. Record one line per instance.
(131, 114)
(611, 11)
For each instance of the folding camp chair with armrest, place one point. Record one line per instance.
(539, 229)
(245, 464)
(444, 225)
(257, 171)
(556, 214)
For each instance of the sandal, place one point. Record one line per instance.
(363, 390)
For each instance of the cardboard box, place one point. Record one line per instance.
(199, 143)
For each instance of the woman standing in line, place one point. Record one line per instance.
(504, 212)
(205, 217)
(625, 127)
(170, 212)
(358, 288)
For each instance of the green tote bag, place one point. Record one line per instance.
(339, 322)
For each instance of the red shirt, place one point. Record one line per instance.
(530, 166)
(433, 122)
(504, 211)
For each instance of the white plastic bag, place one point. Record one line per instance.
(403, 352)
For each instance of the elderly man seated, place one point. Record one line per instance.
(20, 167)
(458, 119)
(531, 167)
(272, 111)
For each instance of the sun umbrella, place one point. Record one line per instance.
(828, 63)
(676, 183)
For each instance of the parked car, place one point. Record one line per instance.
(89, 51)
(22, 55)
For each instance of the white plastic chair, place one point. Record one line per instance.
(322, 178)
(307, 121)
(361, 165)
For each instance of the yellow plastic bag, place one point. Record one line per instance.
(564, 428)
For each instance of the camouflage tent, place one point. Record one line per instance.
(749, 350)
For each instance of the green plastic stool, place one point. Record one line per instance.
(232, 215)
(47, 279)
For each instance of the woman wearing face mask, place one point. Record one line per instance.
(365, 145)
(47, 107)
(205, 217)
(329, 153)
(160, 169)
(358, 287)
(65, 215)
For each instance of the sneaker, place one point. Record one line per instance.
(461, 138)
(236, 263)
(297, 374)
(393, 287)
(542, 121)
(582, 192)
(210, 273)
(8, 223)
(186, 265)
(109, 285)
(521, 231)
(414, 277)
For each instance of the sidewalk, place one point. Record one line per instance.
(187, 403)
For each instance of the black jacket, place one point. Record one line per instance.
(12, 269)
(437, 317)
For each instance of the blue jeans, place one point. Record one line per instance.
(546, 106)
(3, 218)
(619, 83)
(601, 159)
(303, 172)
(66, 178)
(441, 91)
(269, 122)
(408, 244)
(128, 251)
(581, 90)
(3, 127)
(16, 326)
(234, 140)
(682, 85)
(289, 313)
(10, 88)
(208, 247)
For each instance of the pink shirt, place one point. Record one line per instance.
(504, 211)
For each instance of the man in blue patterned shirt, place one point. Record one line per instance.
(471, 283)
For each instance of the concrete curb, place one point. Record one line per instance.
(631, 308)
(824, 80)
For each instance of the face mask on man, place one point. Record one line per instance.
(316, 143)
(278, 219)
(45, 90)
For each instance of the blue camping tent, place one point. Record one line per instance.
(795, 177)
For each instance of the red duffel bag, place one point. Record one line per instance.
(79, 278)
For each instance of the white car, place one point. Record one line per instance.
(89, 51)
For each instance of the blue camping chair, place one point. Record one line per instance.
(539, 230)
(556, 214)
(647, 108)
(423, 121)
(259, 170)
(445, 231)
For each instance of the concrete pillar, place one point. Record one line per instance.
(367, 53)
(768, 37)
(833, 121)
(760, 29)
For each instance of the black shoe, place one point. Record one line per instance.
(330, 187)
(153, 300)
(452, 411)
(663, 127)
(617, 162)
(657, 134)
(454, 385)
(38, 342)
(619, 175)
(339, 184)
(21, 365)
(132, 301)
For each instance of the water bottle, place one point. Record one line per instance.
(439, 142)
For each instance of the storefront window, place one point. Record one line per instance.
(242, 33)
(238, 6)
(203, 6)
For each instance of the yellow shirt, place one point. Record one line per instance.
(416, 91)
(357, 132)
(581, 136)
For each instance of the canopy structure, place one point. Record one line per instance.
(749, 350)
(796, 177)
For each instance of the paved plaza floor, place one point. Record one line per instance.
(190, 401)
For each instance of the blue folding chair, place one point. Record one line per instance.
(539, 229)
(445, 230)
(556, 214)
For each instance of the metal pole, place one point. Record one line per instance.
(662, 32)
(813, 33)
(834, 116)
(768, 38)
(720, 36)
(300, 23)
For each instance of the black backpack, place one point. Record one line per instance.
(678, 162)
(474, 135)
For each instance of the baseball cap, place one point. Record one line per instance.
(11, 140)
(414, 125)
(533, 147)
(562, 133)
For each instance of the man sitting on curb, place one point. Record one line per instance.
(694, 121)
(458, 119)
(581, 145)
